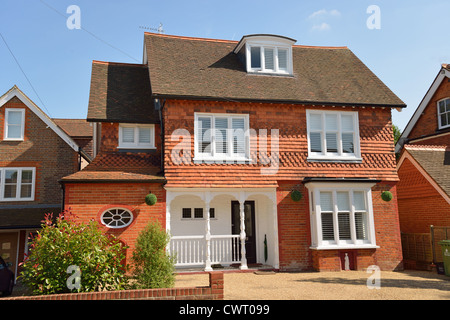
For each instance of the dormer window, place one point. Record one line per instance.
(266, 54)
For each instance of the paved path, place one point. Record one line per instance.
(344, 285)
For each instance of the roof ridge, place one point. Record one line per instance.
(189, 38)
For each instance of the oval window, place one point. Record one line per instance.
(116, 218)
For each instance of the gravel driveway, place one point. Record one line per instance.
(344, 285)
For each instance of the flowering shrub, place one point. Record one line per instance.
(65, 243)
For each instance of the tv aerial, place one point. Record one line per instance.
(160, 29)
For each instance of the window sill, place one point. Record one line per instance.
(12, 139)
(208, 160)
(16, 200)
(345, 246)
(334, 159)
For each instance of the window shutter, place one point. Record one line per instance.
(332, 142)
(127, 135)
(327, 226)
(204, 134)
(344, 225)
(238, 126)
(361, 225)
(282, 59)
(145, 135)
(268, 57)
(221, 134)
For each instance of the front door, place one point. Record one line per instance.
(8, 248)
(250, 240)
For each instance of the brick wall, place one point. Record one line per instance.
(42, 148)
(215, 291)
(89, 200)
(420, 205)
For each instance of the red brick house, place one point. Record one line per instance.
(35, 152)
(424, 167)
(259, 151)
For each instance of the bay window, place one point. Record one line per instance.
(341, 215)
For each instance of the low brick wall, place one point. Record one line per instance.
(212, 292)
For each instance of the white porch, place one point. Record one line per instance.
(210, 235)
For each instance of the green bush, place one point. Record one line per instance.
(65, 243)
(153, 267)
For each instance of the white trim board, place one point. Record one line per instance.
(16, 92)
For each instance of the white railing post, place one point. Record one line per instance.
(243, 236)
(208, 235)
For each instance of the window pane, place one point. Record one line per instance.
(15, 117)
(331, 122)
(186, 213)
(347, 122)
(14, 132)
(27, 176)
(447, 103)
(326, 201)
(359, 201)
(198, 213)
(344, 226)
(315, 122)
(238, 126)
(282, 59)
(441, 106)
(361, 225)
(268, 57)
(10, 191)
(343, 201)
(25, 191)
(444, 119)
(128, 135)
(204, 134)
(11, 176)
(144, 135)
(315, 140)
(327, 226)
(212, 213)
(331, 142)
(221, 135)
(347, 143)
(255, 53)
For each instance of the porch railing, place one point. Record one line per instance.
(191, 250)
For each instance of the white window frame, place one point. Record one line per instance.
(7, 111)
(230, 155)
(317, 242)
(136, 144)
(110, 211)
(439, 114)
(340, 155)
(193, 213)
(276, 70)
(19, 183)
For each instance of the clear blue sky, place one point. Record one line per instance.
(406, 53)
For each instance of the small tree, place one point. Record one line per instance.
(153, 267)
(97, 258)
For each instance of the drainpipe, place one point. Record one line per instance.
(159, 107)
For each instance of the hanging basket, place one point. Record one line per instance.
(386, 196)
(150, 199)
(296, 195)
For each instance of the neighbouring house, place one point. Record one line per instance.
(259, 152)
(35, 153)
(424, 172)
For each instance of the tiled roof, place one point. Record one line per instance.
(75, 127)
(123, 166)
(435, 161)
(120, 92)
(208, 69)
